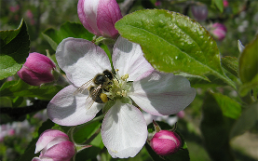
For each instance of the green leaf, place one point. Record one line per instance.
(219, 4)
(22, 89)
(246, 121)
(245, 88)
(248, 61)
(229, 107)
(215, 129)
(84, 132)
(68, 29)
(29, 152)
(173, 42)
(14, 49)
(230, 64)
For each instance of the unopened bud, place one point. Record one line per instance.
(54, 145)
(200, 12)
(165, 142)
(218, 31)
(37, 70)
(99, 16)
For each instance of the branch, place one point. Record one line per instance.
(17, 112)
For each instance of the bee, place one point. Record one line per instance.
(95, 87)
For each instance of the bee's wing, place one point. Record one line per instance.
(83, 87)
(92, 97)
(89, 102)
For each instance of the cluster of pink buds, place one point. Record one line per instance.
(14, 8)
(99, 16)
(55, 146)
(37, 70)
(29, 14)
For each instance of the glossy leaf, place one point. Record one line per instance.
(29, 152)
(68, 29)
(229, 107)
(230, 64)
(22, 89)
(248, 62)
(215, 129)
(173, 42)
(14, 49)
(246, 121)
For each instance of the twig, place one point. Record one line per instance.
(16, 113)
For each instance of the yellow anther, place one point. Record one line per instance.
(124, 77)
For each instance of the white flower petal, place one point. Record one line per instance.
(124, 130)
(68, 109)
(81, 60)
(128, 58)
(241, 47)
(162, 94)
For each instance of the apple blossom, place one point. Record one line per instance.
(165, 142)
(37, 70)
(55, 146)
(135, 84)
(99, 16)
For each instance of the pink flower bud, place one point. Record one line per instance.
(165, 142)
(181, 114)
(218, 31)
(158, 3)
(37, 70)
(54, 145)
(225, 3)
(99, 16)
(200, 13)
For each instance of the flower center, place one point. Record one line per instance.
(119, 87)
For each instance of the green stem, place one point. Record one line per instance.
(99, 39)
(226, 79)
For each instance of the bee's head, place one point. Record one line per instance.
(108, 74)
(100, 79)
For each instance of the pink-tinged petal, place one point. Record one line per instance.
(47, 136)
(108, 14)
(81, 60)
(40, 63)
(63, 151)
(36, 159)
(162, 94)
(124, 130)
(128, 59)
(87, 12)
(54, 142)
(68, 109)
(44, 159)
